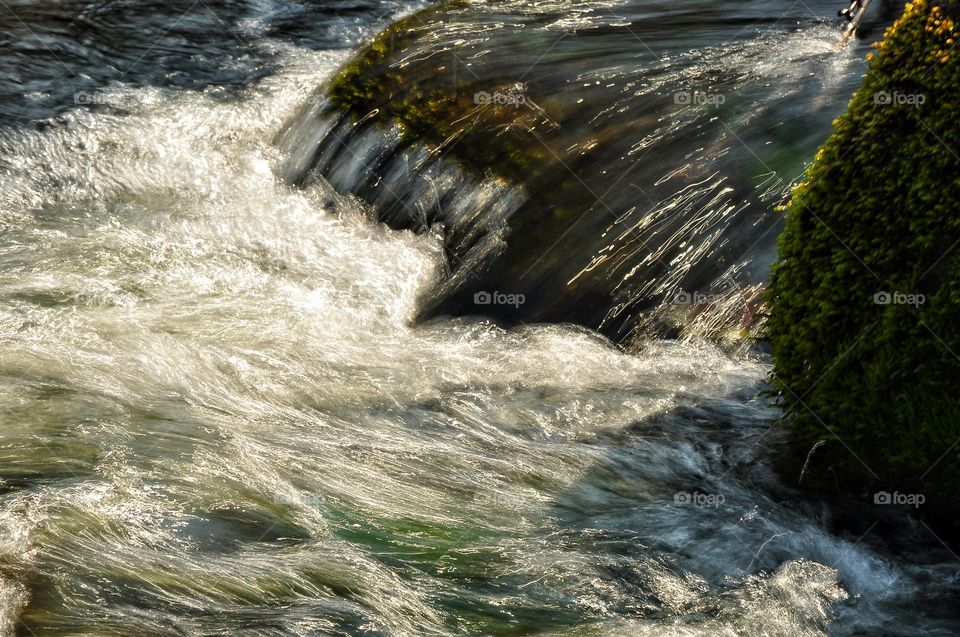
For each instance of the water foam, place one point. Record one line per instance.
(222, 416)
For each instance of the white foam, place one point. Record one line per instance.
(208, 339)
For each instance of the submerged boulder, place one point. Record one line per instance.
(615, 165)
(864, 301)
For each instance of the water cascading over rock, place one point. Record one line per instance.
(589, 165)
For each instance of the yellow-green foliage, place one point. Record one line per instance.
(879, 212)
(418, 93)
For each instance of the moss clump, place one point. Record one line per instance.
(879, 213)
(388, 82)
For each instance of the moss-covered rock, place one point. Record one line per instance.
(442, 107)
(643, 153)
(865, 299)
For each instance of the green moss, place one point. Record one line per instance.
(432, 107)
(879, 211)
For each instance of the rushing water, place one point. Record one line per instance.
(633, 158)
(220, 418)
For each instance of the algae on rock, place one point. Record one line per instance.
(864, 301)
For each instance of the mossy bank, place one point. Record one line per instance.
(865, 298)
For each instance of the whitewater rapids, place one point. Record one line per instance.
(220, 419)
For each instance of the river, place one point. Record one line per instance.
(221, 414)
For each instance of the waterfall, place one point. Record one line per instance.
(605, 174)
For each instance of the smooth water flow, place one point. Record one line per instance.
(219, 417)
